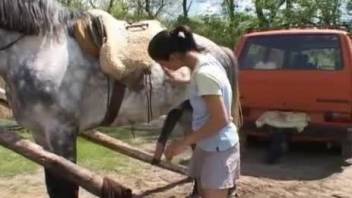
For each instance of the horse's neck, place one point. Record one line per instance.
(5, 39)
(23, 47)
(57, 68)
(7, 36)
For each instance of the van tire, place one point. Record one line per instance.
(277, 146)
(347, 147)
(243, 142)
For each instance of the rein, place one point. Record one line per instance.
(7, 46)
(113, 102)
(148, 93)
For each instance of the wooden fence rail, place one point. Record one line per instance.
(126, 149)
(90, 181)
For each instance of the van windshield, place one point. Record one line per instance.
(292, 52)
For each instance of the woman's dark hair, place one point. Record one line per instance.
(167, 42)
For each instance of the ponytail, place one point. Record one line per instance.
(183, 40)
(178, 40)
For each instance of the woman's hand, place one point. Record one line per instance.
(175, 148)
(159, 149)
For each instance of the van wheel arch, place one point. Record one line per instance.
(346, 147)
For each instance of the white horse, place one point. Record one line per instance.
(56, 90)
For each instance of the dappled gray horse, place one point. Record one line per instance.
(57, 90)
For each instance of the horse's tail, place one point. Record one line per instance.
(232, 72)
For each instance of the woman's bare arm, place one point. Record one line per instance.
(219, 118)
(180, 76)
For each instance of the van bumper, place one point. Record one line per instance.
(312, 133)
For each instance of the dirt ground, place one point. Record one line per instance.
(305, 173)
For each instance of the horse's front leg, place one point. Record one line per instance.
(61, 141)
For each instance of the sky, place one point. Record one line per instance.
(203, 7)
(214, 6)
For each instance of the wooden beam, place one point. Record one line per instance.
(121, 147)
(90, 181)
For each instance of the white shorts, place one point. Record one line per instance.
(215, 170)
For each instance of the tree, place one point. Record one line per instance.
(186, 7)
(329, 11)
(266, 11)
(110, 6)
(154, 7)
(288, 13)
(147, 8)
(230, 9)
(81, 4)
(67, 3)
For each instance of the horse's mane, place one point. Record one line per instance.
(33, 17)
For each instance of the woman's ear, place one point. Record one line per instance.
(176, 56)
(177, 60)
(173, 57)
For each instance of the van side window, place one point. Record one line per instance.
(292, 52)
(262, 57)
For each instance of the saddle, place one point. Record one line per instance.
(121, 47)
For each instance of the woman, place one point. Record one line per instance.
(214, 163)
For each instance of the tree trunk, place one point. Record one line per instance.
(139, 8)
(92, 4)
(185, 9)
(230, 7)
(263, 22)
(148, 9)
(161, 6)
(111, 5)
(288, 13)
(68, 3)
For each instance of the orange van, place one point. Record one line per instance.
(301, 71)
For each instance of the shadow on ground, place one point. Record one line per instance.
(304, 161)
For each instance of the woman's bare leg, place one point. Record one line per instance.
(215, 193)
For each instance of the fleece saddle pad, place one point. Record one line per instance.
(121, 47)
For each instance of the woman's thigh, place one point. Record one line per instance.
(220, 169)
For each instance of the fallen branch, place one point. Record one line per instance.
(90, 181)
(121, 147)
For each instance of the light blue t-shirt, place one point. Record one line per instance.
(209, 78)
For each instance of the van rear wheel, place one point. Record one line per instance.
(347, 147)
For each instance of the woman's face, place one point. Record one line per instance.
(168, 64)
(174, 63)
